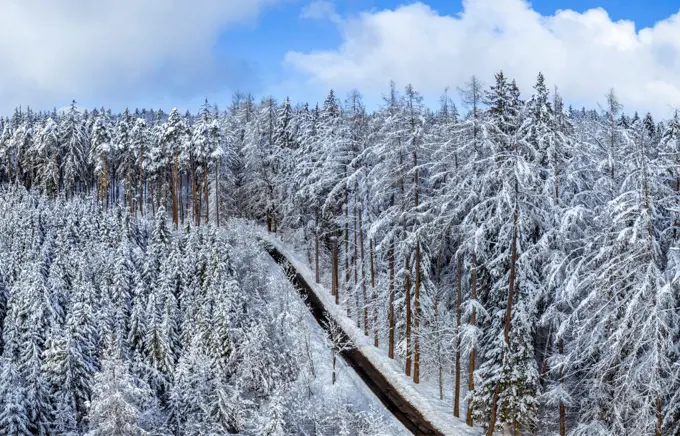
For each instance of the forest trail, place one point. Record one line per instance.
(388, 393)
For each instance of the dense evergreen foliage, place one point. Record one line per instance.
(113, 325)
(525, 251)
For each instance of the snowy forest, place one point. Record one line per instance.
(518, 255)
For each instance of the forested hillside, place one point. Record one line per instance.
(118, 326)
(518, 254)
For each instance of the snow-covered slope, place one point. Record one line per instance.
(435, 411)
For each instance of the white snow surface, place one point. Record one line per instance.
(437, 412)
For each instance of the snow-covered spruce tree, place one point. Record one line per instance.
(121, 404)
(624, 333)
(507, 378)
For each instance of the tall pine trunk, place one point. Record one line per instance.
(459, 302)
(336, 273)
(416, 335)
(473, 322)
(363, 270)
(407, 301)
(374, 299)
(205, 193)
(317, 274)
(390, 308)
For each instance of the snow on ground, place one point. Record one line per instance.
(348, 387)
(437, 412)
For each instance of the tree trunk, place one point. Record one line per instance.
(658, 417)
(494, 411)
(347, 249)
(217, 192)
(390, 316)
(511, 287)
(440, 369)
(205, 193)
(173, 184)
(363, 271)
(194, 193)
(416, 336)
(356, 278)
(374, 299)
(333, 366)
(336, 273)
(563, 413)
(317, 276)
(407, 301)
(180, 197)
(459, 302)
(473, 322)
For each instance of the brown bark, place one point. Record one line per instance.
(494, 411)
(440, 368)
(563, 413)
(363, 271)
(205, 193)
(333, 366)
(334, 283)
(356, 278)
(194, 193)
(374, 299)
(459, 295)
(407, 301)
(658, 417)
(390, 316)
(173, 186)
(347, 250)
(473, 322)
(180, 197)
(316, 248)
(416, 335)
(336, 273)
(217, 192)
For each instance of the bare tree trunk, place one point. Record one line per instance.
(180, 197)
(173, 184)
(508, 313)
(658, 417)
(217, 191)
(563, 413)
(334, 378)
(347, 248)
(390, 316)
(492, 420)
(407, 301)
(473, 322)
(316, 247)
(459, 302)
(205, 193)
(416, 338)
(440, 369)
(194, 193)
(363, 271)
(356, 277)
(336, 275)
(374, 299)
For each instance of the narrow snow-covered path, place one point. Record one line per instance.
(418, 414)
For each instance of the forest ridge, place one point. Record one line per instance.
(523, 255)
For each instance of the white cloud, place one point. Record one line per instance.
(585, 54)
(321, 10)
(52, 51)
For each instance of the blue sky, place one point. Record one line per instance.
(159, 53)
(260, 46)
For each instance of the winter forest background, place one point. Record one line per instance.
(521, 257)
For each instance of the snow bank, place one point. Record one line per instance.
(437, 412)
